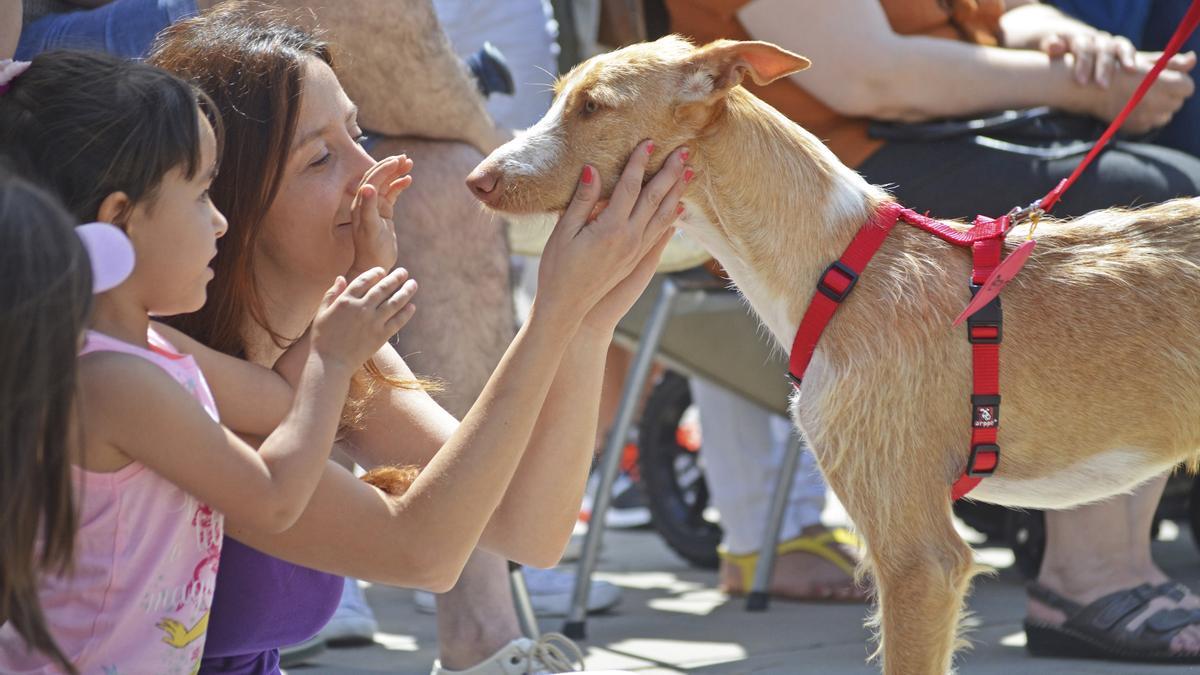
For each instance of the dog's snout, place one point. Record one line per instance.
(485, 184)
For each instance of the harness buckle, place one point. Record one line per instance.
(985, 411)
(829, 290)
(986, 326)
(984, 459)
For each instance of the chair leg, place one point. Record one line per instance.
(524, 607)
(635, 382)
(760, 595)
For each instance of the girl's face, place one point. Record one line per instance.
(175, 236)
(306, 238)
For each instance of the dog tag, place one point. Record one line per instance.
(1004, 273)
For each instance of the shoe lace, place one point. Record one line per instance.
(555, 653)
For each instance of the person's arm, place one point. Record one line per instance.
(133, 406)
(423, 537)
(251, 399)
(882, 75)
(10, 27)
(136, 408)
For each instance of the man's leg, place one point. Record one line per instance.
(463, 325)
(743, 448)
(1103, 548)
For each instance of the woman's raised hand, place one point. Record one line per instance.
(371, 214)
(587, 257)
(356, 318)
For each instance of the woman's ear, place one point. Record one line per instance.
(115, 209)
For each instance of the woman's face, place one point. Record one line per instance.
(306, 233)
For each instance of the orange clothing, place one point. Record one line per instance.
(975, 21)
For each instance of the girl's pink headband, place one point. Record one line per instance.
(9, 70)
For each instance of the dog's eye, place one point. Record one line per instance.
(590, 106)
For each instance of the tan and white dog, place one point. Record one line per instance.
(1100, 367)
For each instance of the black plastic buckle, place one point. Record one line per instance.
(794, 380)
(990, 315)
(832, 293)
(983, 449)
(985, 411)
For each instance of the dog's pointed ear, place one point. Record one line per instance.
(717, 67)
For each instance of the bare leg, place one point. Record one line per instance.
(395, 62)
(463, 325)
(1102, 548)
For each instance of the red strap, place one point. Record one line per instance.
(838, 280)
(1186, 27)
(986, 239)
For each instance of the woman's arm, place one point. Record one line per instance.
(882, 75)
(424, 537)
(10, 27)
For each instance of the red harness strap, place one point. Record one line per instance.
(984, 328)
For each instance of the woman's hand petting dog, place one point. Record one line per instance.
(597, 267)
(371, 214)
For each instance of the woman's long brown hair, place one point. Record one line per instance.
(250, 59)
(45, 299)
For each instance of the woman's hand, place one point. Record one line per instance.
(371, 214)
(356, 319)
(587, 258)
(1173, 86)
(1097, 54)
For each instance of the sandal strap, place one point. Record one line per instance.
(824, 545)
(1109, 617)
(1050, 598)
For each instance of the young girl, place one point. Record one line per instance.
(48, 273)
(127, 143)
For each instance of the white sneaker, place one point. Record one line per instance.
(353, 622)
(549, 593)
(552, 653)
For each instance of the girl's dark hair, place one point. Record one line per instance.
(86, 125)
(45, 299)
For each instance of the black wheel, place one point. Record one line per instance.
(671, 475)
(1027, 539)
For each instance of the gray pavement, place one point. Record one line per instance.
(672, 620)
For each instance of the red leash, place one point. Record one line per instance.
(1185, 30)
(983, 314)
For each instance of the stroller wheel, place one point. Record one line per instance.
(669, 463)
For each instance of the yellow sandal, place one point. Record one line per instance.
(823, 545)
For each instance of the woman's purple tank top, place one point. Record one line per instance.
(263, 603)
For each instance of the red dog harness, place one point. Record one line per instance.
(984, 327)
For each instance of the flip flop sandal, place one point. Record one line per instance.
(824, 546)
(1100, 629)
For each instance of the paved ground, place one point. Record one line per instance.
(672, 619)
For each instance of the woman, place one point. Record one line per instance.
(508, 478)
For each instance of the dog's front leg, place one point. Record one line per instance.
(920, 566)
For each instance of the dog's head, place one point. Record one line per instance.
(669, 91)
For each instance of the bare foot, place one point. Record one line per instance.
(803, 576)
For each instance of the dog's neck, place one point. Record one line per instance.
(774, 206)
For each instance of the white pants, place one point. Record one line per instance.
(526, 33)
(743, 450)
